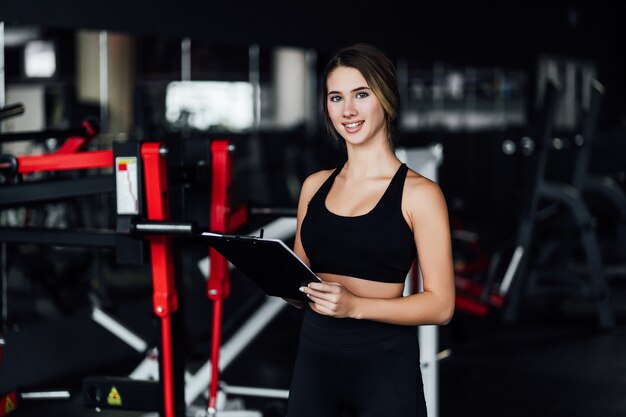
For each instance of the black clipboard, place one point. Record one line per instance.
(269, 263)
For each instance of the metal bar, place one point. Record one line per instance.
(255, 79)
(165, 298)
(11, 110)
(53, 162)
(4, 279)
(588, 136)
(57, 237)
(256, 392)
(119, 330)
(218, 284)
(185, 59)
(197, 384)
(44, 191)
(148, 368)
(510, 272)
(47, 395)
(103, 63)
(41, 135)
(2, 81)
(167, 228)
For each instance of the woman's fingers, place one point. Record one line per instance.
(319, 295)
(328, 298)
(322, 302)
(329, 292)
(320, 309)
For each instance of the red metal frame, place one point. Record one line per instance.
(75, 143)
(468, 297)
(53, 162)
(469, 293)
(67, 157)
(223, 220)
(165, 299)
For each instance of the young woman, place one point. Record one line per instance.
(360, 227)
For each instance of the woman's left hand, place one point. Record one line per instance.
(330, 299)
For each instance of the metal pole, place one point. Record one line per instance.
(254, 76)
(2, 94)
(5, 283)
(185, 60)
(310, 108)
(3, 246)
(104, 80)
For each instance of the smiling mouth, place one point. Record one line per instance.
(353, 125)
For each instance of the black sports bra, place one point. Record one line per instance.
(377, 246)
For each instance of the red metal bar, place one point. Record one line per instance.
(165, 300)
(218, 285)
(54, 162)
(70, 145)
(74, 143)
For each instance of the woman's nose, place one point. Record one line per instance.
(349, 109)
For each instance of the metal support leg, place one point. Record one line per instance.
(572, 200)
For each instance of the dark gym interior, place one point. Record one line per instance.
(537, 203)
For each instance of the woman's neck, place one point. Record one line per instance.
(370, 163)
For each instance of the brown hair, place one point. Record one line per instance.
(378, 71)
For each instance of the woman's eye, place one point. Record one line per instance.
(335, 99)
(362, 95)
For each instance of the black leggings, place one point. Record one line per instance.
(348, 367)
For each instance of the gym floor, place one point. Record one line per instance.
(553, 362)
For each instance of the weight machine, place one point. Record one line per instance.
(519, 277)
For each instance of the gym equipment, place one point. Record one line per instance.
(11, 110)
(69, 157)
(131, 160)
(218, 288)
(590, 185)
(470, 261)
(514, 284)
(11, 170)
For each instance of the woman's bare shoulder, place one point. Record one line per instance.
(422, 193)
(314, 181)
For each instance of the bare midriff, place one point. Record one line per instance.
(363, 287)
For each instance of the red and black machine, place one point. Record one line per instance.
(144, 232)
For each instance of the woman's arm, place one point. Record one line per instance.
(435, 305)
(308, 189)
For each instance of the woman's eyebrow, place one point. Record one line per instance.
(356, 89)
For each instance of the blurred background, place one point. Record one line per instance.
(472, 79)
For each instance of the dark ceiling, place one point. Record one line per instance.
(464, 30)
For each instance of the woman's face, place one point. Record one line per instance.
(353, 108)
